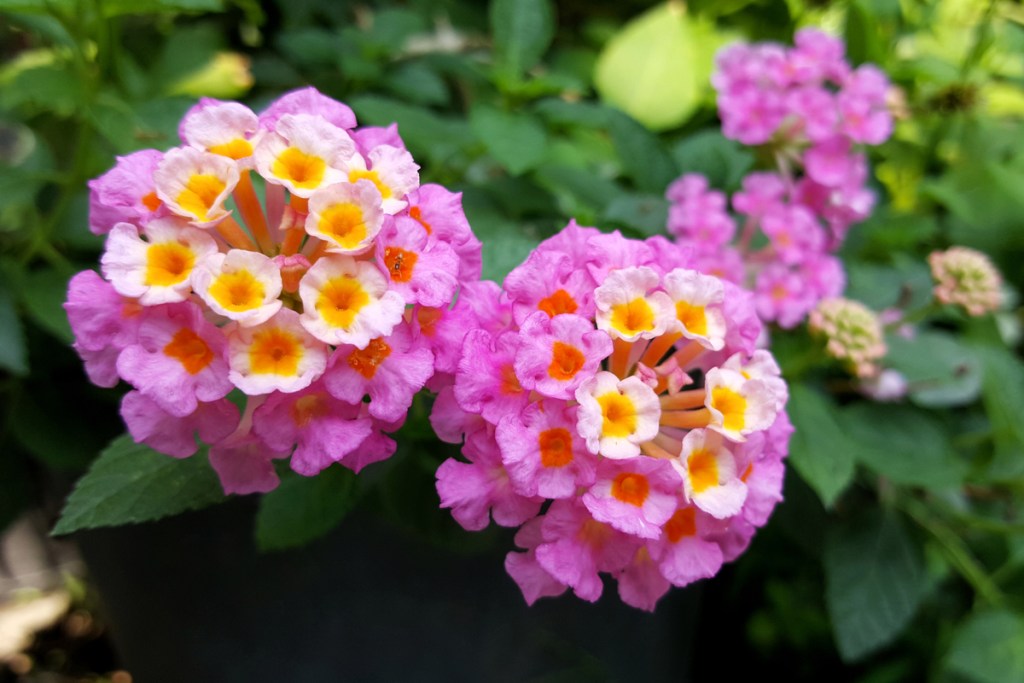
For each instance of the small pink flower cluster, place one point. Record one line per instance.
(311, 307)
(811, 110)
(611, 403)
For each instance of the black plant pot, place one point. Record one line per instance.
(191, 600)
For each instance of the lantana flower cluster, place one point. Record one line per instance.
(283, 259)
(966, 277)
(812, 114)
(611, 403)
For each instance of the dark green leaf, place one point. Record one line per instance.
(579, 191)
(873, 582)
(903, 443)
(64, 439)
(820, 450)
(722, 161)
(1003, 396)
(132, 483)
(422, 130)
(989, 648)
(643, 157)
(51, 88)
(417, 83)
(17, 486)
(506, 243)
(522, 31)
(516, 141)
(13, 357)
(302, 509)
(646, 214)
(43, 295)
(572, 114)
(940, 370)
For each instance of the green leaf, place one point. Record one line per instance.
(722, 161)
(13, 356)
(422, 130)
(18, 488)
(819, 450)
(642, 155)
(302, 509)
(43, 295)
(417, 83)
(50, 88)
(522, 30)
(506, 243)
(903, 443)
(646, 214)
(132, 483)
(940, 370)
(580, 192)
(658, 67)
(874, 575)
(1003, 396)
(989, 648)
(517, 141)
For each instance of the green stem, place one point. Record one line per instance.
(956, 552)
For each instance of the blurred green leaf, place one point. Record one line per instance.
(874, 575)
(647, 214)
(820, 450)
(51, 88)
(1003, 396)
(657, 67)
(64, 439)
(989, 648)
(907, 284)
(722, 161)
(941, 371)
(572, 114)
(506, 243)
(302, 509)
(423, 131)
(13, 356)
(905, 444)
(642, 155)
(43, 294)
(17, 485)
(516, 141)
(522, 31)
(131, 483)
(417, 83)
(578, 190)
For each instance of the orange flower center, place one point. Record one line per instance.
(630, 487)
(189, 349)
(555, 447)
(365, 361)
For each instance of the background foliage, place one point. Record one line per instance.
(899, 551)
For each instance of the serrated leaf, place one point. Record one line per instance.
(643, 157)
(722, 161)
(516, 141)
(874, 578)
(657, 68)
(302, 509)
(13, 357)
(989, 648)
(522, 30)
(903, 443)
(939, 369)
(819, 450)
(131, 483)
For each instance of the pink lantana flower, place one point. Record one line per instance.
(265, 250)
(643, 482)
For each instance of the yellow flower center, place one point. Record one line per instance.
(619, 414)
(344, 223)
(275, 352)
(200, 194)
(633, 318)
(237, 291)
(733, 407)
(692, 317)
(239, 148)
(305, 171)
(168, 264)
(703, 469)
(340, 300)
(359, 174)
